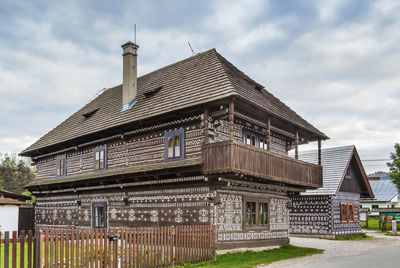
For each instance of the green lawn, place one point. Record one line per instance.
(252, 259)
(17, 254)
(239, 260)
(354, 237)
(373, 224)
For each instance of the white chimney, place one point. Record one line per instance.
(129, 76)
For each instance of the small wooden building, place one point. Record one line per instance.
(10, 204)
(195, 142)
(333, 209)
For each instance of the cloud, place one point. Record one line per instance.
(334, 62)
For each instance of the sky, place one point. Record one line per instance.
(336, 63)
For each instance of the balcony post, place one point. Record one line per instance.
(269, 134)
(206, 134)
(319, 151)
(296, 143)
(231, 119)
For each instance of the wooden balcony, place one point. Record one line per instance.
(239, 158)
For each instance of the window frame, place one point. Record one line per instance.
(173, 134)
(62, 158)
(347, 209)
(258, 139)
(257, 201)
(104, 206)
(98, 150)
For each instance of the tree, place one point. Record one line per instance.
(394, 166)
(15, 173)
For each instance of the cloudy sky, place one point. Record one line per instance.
(336, 63)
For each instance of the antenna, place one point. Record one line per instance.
(191, 49)
(134, 31)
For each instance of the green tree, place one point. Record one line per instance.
(15, 173)
(394, 166)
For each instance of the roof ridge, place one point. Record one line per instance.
(178, 62)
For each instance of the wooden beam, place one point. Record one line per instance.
(269, 134)
(296, 143)
(319, 151)
(206, 134)
(231, 119)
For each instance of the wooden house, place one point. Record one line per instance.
(332, 210)
(195, 142)
(10, 204)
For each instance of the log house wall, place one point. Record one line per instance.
(144, 149)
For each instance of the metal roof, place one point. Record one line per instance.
(334, 162)
(384, 190)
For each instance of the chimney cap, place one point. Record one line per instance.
(130, 43)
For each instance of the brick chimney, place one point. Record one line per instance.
(129, 76)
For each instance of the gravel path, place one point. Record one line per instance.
(358, 253)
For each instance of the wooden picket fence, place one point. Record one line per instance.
(123, 247)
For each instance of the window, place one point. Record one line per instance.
(255, 140)
(251, 208)
(99, 215)
(100, 158)
(61, 166)
(174, 145)
(256, 213)
(347, 212)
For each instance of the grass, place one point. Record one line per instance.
(373, 224)
(354, 237)
(252, 258)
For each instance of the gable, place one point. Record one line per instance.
(353, 181)
(335, 165)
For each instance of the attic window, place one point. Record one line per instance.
(91, 113)
(152, 92)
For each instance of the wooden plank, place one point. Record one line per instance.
(51, 242)
(82, 246)
(87, 242)
(96, 248)
(14, 249)
(91, 241)
(6, 249)
(22, 249)
(46, 249)
(101, 242)
(56, 248)
(38, 249)
(62, 247)
(67, 258)
(77, 248)
(73, 247)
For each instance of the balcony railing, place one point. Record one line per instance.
(239, 158)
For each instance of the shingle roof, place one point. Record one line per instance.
(196, 80)
(384, 190)
(334, 162)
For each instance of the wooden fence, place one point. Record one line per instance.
(123, 247)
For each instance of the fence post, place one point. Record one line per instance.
(38, 249)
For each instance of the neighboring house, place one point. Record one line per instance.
(385, 192)
(334, 208)
(195, 142)
(9, 210)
